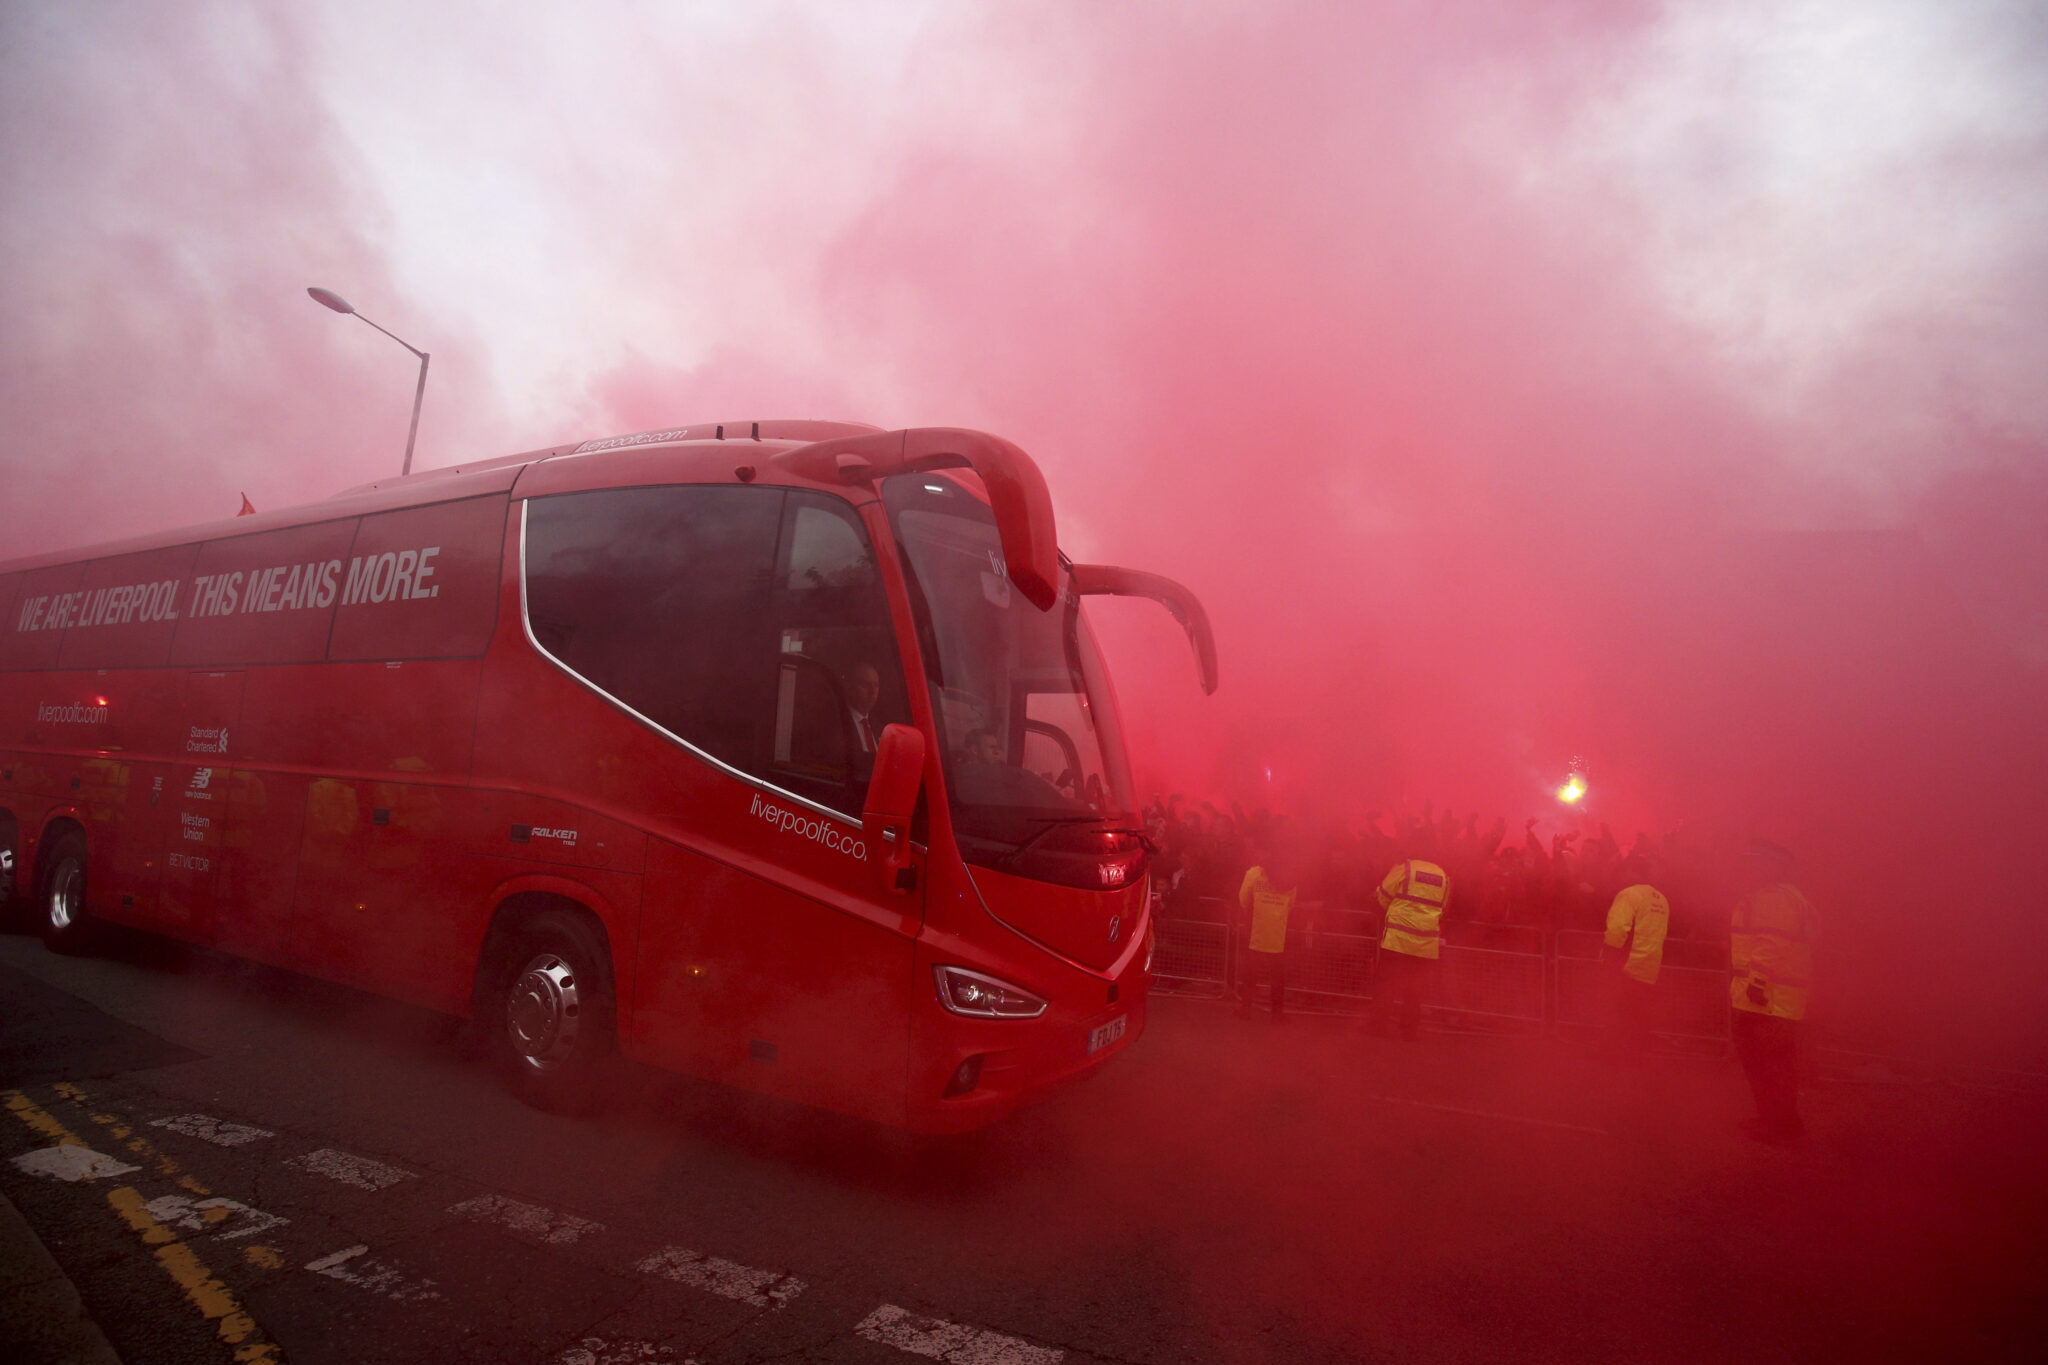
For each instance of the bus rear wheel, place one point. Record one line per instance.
(554, 1020)
(66, 927)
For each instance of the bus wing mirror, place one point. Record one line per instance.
(1016, 490)
(1104, 580)
(892, 799)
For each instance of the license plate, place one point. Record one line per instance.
(1100, 1038)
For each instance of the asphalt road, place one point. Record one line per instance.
(262, 1167)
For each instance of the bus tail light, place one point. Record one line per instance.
(984, 997)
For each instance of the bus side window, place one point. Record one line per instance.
(660, 598)
(839, 676)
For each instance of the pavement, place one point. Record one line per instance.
(1230, 1191)
(42, 1319)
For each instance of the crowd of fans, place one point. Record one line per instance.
(1564, 881)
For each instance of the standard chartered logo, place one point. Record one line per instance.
(809, 827)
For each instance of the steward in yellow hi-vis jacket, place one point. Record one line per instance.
(1637, 921)
(1413, 894)
(1770, 941)
(1636, 925)
(1260, 895)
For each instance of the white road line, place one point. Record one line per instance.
(950, 1341)
(69, 1161)
(727, 1279)
(358, 1171)
(1488, 1114)
(206, 1128)
(212, 1215)
(354, 1265)
(556, 1229)
(598, 1351)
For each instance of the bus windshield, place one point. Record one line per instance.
(1027, 726)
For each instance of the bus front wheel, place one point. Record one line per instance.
(66, 926)
(555, 1021)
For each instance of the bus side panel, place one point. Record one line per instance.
(266, 823)
(144, 719)
(374, 904)
(744, 981)
(383, 734)
(44, 600)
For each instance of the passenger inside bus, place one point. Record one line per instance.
(863, 690)
(982, 747)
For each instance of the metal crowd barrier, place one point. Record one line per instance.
(1490, 983)
(1687, 1002)
(1489, 973)
(1191, 957)
(1332, 964)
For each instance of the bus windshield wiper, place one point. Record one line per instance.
(1047, 824)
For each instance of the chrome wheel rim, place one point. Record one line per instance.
(67, 890)
(542, 1013)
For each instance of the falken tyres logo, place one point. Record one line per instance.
(809, 827)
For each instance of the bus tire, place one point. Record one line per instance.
(12, 915)
(66, 926)
(553, 1020)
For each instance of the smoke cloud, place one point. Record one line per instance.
(1649, 386)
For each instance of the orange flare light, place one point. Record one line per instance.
(1572, 790)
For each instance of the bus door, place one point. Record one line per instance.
(749, 630)
(192, 815)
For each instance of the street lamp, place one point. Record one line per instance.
(328, 298)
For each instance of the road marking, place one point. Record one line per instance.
(206, 1128)
(121, 1132)
(598, 1351)
(556, 1229)
(207, 1294)
(264, 1258)
(354, 1265)
(727, 1279)
(950, 1341)
(233, 1325)
(26, 1109)
(1488, 1114)
(209, 1216)
(71, 1162)
(358, 1171)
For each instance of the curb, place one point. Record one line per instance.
(42, 1319)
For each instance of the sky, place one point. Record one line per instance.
(1655, 385)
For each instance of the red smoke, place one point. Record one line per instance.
(1314, 307)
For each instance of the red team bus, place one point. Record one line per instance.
(777, 753)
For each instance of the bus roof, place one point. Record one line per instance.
(699, 452)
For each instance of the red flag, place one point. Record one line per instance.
(248, 510)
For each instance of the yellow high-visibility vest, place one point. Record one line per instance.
(1770, 940)
(1639, 918)
(1269, 906)
(1414, 894)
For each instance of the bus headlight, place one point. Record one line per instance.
(984, 997)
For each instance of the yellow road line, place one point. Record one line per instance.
(142, 1147)
(212, 1298)
(207, 1294)
(25, 1109)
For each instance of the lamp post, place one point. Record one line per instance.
(328, 298)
